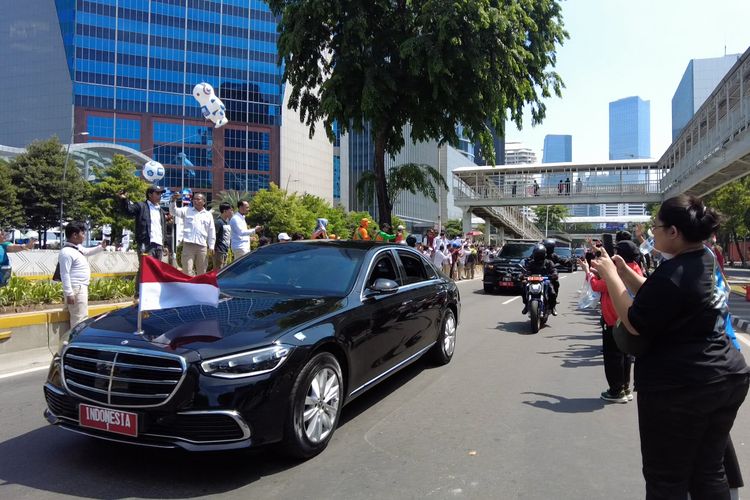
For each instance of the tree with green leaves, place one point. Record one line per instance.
(278, 211)
(38, 177)
(433, 64)
(103, 206)
(409, 177)
(11, 212)
(733, 201)
(550, 216)
(454, 227)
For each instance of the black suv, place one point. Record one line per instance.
(503, 272)
(569, 260)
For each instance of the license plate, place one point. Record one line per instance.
(107, 419)
(505, 283)
(506, 279)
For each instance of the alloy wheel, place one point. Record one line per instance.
(321, 405)
(449, 335)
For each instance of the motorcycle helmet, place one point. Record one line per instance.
(539, 253)
(549, 245)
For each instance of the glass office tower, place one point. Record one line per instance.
(629, 129)
(557, 148)
(700, 79)
(133, 65)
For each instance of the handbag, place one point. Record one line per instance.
(56, 274)
(628, 343)
(5, 273)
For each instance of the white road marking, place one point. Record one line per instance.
(743, 339)
(511, 300)
(563, 277)
(23, 372)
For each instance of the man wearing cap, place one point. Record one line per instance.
(198, 233)
(150, 225)
(284, 237)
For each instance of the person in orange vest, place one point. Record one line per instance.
(383, 234)
(361, 232)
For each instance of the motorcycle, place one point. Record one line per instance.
(537, 300)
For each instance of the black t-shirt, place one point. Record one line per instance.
(681, 311)
(223, 236)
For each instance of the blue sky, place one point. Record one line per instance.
(620, 48)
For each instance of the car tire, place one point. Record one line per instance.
(442, 352)
(489, 288)
(306, 437)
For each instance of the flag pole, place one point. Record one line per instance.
(139, 328)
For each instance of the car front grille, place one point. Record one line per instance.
(121, 377)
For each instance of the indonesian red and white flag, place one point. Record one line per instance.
(163, 286)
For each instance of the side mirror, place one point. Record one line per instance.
(383, 286)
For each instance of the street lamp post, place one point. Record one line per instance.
(62, 190)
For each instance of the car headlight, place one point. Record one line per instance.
(247, 364)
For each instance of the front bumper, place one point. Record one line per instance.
(200, 430)
(205, 413)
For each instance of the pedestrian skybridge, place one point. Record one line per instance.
(622, 181)
(712, 150)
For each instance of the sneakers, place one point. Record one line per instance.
(525, 310)
(629, 394)
(619, 397)
(554, 312)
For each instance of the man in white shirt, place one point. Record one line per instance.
(240, 233)
(75, 272)
(439, 240)
(198, 233)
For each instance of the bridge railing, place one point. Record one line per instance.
(511, 217)
(489, 190)
(720, 120)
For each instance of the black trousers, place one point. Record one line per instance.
(617, 364)
(684, 436)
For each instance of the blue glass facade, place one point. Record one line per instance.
(629, 129)
(698, 82)
(336, 164)
(133, 64)
(557, 149)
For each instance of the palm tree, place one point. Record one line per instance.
(232, 197)
(415, 178)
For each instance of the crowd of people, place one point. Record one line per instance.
(672, 324)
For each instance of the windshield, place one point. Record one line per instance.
(516, 250)
(295, 269)
(563, 251)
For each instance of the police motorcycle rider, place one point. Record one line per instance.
(549, 245)
(540, 264)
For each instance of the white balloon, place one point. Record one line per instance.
(211, 106)
(153, 171)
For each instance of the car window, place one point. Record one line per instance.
(516, 250)
(295, 269)
(413, 268)
(384, 268)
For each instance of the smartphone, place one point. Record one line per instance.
(608, 243)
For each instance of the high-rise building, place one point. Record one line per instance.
(629, 138)
(498, 143)
(124, 73)
(557, 149)
(629, 129)
(517, 154)
(700, 79)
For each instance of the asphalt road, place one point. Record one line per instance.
(512, 416)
